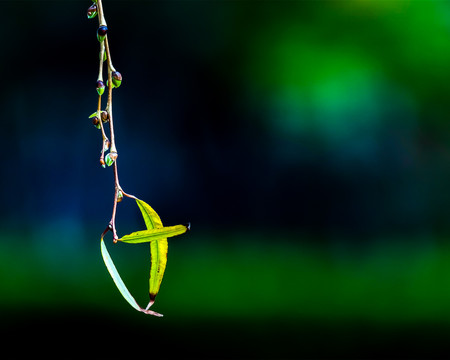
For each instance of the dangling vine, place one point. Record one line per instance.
(156, 234)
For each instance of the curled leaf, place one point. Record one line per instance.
(120, 284)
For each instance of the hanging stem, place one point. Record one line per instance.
(105, 49)
(156, 233)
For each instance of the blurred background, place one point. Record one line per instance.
(307, 142)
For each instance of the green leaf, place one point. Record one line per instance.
(158, 255)
(158, 249)
(157, 235)
(120, 284)
(154, 234)
(116, 277)
(94, 114)
(151, 218)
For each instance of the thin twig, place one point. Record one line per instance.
(104, 48)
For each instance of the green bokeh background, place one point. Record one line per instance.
(306, 141)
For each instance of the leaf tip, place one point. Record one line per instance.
(151, 312)
(154, 313)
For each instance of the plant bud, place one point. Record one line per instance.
(102, 162)
(105, 116)
(96, 122)
(110, 158)
(113, 156)
(106, 145)
(116, 79)
(119, 196)
(92, 11)
(101, 32)
(100, 87)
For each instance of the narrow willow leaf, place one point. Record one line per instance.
(151, 218)
(116, 277)
(158, 249)
(154, 234)
(120, 284)
(157, 235)
(158, 252)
